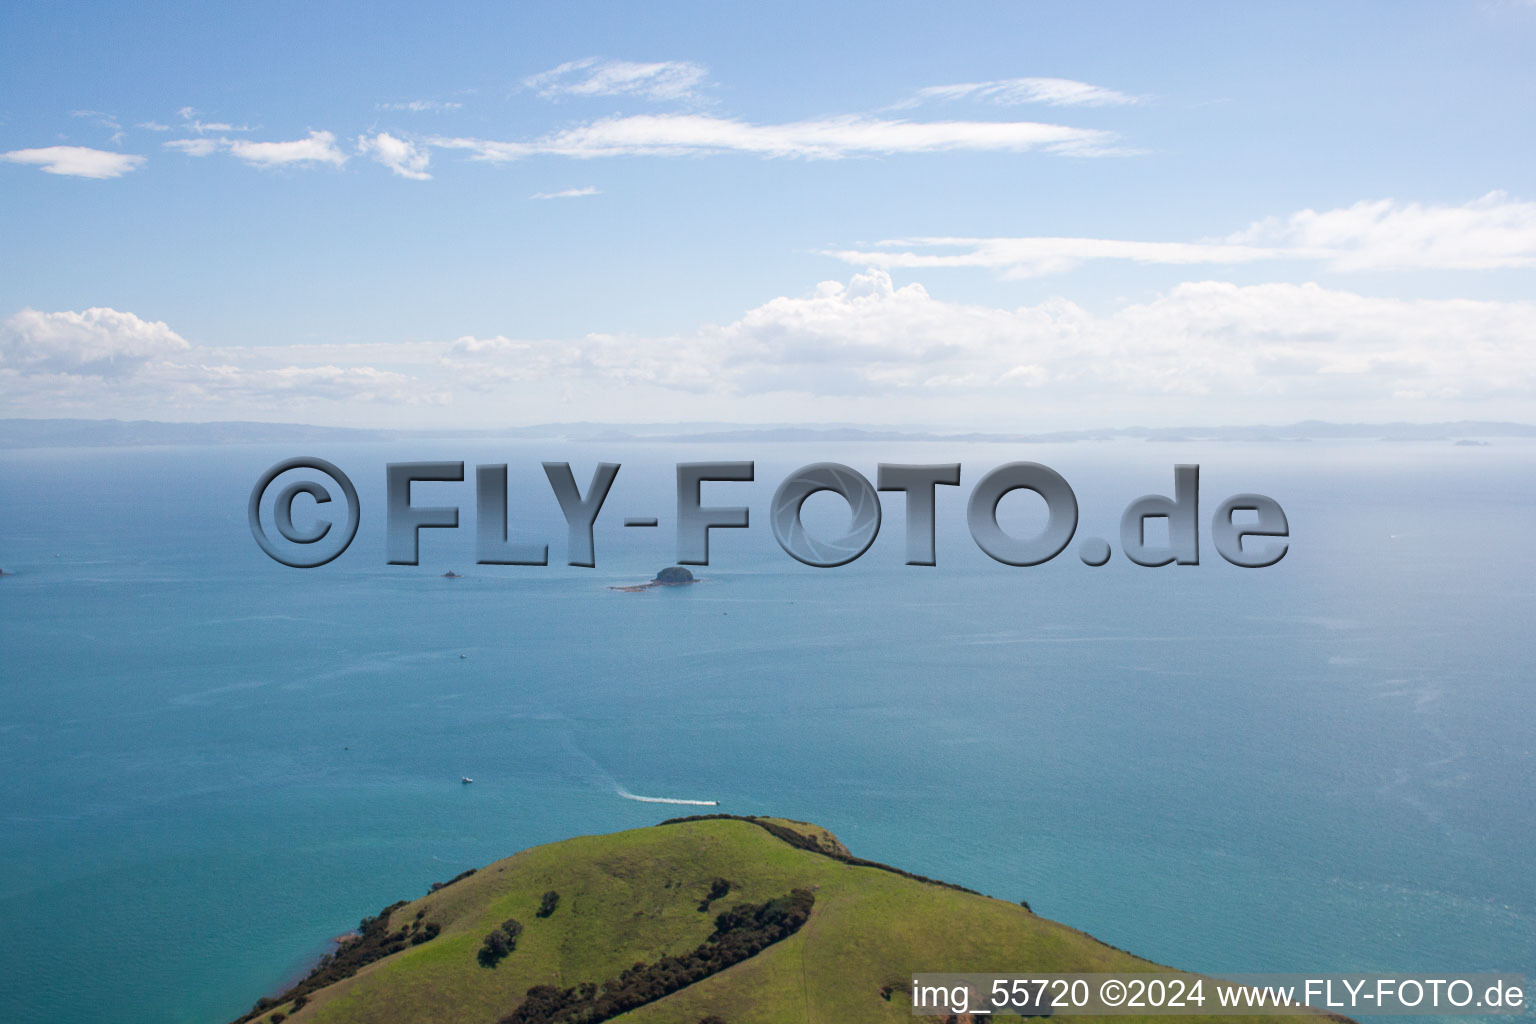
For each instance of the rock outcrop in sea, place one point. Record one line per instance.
(671, 576)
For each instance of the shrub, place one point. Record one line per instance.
(456, 878)
(548, 903)
(500, 943)
(718, 889)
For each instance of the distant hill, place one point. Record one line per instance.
(82, 433)
(717, 918)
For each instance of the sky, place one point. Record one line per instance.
(959, 216)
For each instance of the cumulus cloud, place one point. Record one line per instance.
(1007, 92)
(568, 193)
(870, 338)
(108, 361)
(97, 341)
(592, 76)
(1209, 351)
(1489, 233)
(404, 158)
(823, 138)
(75, 161)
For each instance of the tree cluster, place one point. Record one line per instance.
(741, 932)
(374, 941)
(499, 943)
(718, 890)
(456, 878)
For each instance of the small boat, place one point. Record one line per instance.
(466, 780)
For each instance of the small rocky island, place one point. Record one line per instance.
(671, 576)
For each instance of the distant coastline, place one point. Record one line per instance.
(109, 433)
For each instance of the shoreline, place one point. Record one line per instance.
(638, 587)
(308, 964)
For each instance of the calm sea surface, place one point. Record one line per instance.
(211, 763)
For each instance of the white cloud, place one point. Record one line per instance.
(196, 147)
(76, 161)
(97, 341)
(1007, 92)
(1028, 257)
(192, 123)
(422, 106)
(317, 148)
(102, 120)
(404, 158)
(204, 127)
(290, 385)
(824, 138)
(1489, 233)
(1203, 351)
(1218, 343)
(569, 193)
(592, 76)
(102, 361)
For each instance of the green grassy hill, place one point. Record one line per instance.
(635, 897)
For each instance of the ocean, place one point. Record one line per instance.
(210, 763)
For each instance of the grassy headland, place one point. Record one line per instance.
(745, 921)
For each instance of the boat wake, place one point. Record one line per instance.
(585, 767)
(627, 795)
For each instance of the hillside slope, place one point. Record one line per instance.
(635, 897)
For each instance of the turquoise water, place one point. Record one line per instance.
(210, 763)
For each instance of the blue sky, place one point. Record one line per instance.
(968, 216)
